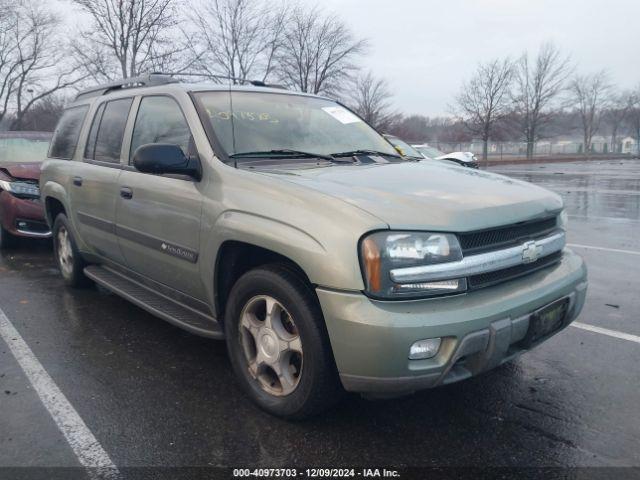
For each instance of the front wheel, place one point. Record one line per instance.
(68, 257)
(278, 344)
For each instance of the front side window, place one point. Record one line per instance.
(107, 131)
(160, 120)
(261, 122)
(65, 138)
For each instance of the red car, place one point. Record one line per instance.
(21, 213)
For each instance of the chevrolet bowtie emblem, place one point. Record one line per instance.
(531, 252)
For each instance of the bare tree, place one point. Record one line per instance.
(32, 65)
(318, 52)
(370, 98)
(44, 115)
(590, 97)
(8, 55)
(537, 83)
(237, 38)
(127, 37)
(621, 105)
(483, 100)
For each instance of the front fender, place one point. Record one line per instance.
(53, 190)
(320, 263)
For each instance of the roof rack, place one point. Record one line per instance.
(255, 83)
(156, 78)
(148, 80)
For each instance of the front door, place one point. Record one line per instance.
(158, 217)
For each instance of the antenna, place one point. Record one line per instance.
(233, 127)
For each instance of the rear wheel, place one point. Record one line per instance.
(278, 345)
(68, 257)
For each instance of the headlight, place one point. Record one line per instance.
(563, 220)
(21, 189)
(382, 252)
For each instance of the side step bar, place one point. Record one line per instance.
(155, 303)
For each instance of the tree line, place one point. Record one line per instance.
(533, 94)
(528, 99)
(302, 48)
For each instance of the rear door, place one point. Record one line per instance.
(158, 216)
(94, 187)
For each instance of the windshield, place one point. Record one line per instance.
(266, 122)
(17, 147)
(430, 152)
(404, 148)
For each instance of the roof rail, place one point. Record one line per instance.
(148, 80)
(255, 83)
(157, 78)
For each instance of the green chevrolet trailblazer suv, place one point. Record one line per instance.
(285, 224)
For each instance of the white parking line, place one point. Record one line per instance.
(87, 449)
(591, 247)
(606, 331)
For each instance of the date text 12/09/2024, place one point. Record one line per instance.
(316, 472)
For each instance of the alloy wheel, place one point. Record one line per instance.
(271, 344)
(65, 252)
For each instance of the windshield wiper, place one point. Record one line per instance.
(280, 152)
(352, 153)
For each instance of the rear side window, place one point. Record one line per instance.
(90, 149)
(160, 120)
(65, 138)
(107, 131)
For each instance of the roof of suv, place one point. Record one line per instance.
(155, 83)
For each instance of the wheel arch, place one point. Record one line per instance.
(54, 196)
(53, 207)
(235, 258)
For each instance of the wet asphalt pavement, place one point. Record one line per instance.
(153, 395)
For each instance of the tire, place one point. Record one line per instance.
(67, 255)
(312, 370)
(6, 239)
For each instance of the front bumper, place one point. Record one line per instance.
(480, 330)
(23, 217)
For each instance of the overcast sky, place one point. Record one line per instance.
(426, 48)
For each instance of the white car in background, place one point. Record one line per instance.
(466, 159)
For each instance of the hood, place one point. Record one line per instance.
(424, 195)
(23, 171)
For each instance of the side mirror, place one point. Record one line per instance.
(162, 158)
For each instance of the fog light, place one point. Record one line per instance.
(424, 349)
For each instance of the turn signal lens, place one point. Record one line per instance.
(372, 265)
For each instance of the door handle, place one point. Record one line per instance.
(126, 193)
(77, 181)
